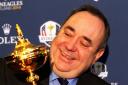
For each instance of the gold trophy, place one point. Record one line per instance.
(28, 57)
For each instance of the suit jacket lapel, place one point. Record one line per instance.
(44, 82)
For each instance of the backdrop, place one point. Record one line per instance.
(34, 17)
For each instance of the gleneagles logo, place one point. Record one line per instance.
(11, 5)
(48, 32)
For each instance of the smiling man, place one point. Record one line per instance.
(79, 44)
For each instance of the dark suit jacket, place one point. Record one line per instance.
(85, 79)
(10, 76)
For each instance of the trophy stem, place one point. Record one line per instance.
(32, 78)
(33, 83)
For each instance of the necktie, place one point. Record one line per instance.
(62, 81)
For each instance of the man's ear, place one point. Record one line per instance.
(99, 54)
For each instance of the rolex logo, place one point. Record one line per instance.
(6, 28)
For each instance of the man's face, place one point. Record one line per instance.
(74, 49)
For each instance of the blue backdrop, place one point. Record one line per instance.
(31, 15)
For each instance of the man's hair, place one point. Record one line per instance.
(96, 12)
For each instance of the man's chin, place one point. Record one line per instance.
(65, 73)
(60, 68)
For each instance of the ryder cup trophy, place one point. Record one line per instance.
(28, 56)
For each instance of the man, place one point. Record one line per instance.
(79, 44)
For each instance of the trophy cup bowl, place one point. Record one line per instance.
(30, 58)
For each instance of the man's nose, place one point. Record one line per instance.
(71, 45)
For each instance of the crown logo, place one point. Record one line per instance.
(6, 28)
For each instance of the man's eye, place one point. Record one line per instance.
(67, 34)
(85, 44)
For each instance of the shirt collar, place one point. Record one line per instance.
(53, 77)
